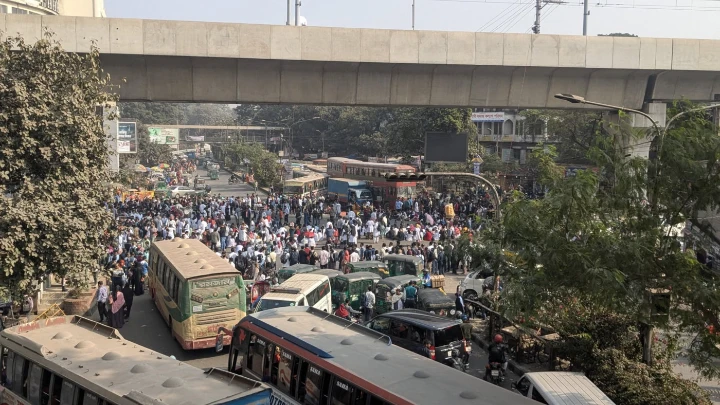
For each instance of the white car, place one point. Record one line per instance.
(181, 190)
(472, 285)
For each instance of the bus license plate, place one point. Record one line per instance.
(494, 373)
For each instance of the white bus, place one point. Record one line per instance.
(77, 361)
(312, 290)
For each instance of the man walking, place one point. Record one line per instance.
(101, 295)
(369, 304)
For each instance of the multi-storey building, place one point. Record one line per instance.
(76, 8)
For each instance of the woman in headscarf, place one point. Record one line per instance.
(117, 316)
(129, 295)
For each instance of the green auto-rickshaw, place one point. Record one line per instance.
(404, 264)
(385, 288)
(287, 272)
(435, 301)
(377, 267)
(351, 286)
(214, 174)
(332, 274)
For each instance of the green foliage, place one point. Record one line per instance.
(54, 162)
(264, 164)
(149, 153)
(344, 131)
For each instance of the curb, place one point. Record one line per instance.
(514, 366)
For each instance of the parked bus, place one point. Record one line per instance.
(313, 184)
(321, 359)
(195, 291)
(77, 361)
(386, 192)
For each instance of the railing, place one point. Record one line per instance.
(51, 5)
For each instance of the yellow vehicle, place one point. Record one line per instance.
(195, 291)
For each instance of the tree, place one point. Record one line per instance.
(607, 240)
(150, 153)
(263, 164)
(53, 170)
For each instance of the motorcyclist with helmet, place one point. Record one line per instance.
(497, 354)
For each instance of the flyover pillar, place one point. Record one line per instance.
(639, 146)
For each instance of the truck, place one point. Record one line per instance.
(348, 191)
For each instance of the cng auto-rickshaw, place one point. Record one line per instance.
(404, 264)
(435, 301)
(385, 287)
(330, 273)
(287, 272)
(198, 184)
(373, 266)
(351, 286)
(214, 174)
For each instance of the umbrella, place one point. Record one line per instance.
(164, 166)
(140, 168)
(156, 169)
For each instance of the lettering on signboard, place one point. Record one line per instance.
(260, 342)
(287, 355)
(214, 283)
(314, 370)
(343, 386)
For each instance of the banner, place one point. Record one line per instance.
(164, 136)
(127, 137)
(488, 116)
(198, 138)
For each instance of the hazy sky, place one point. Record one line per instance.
(646, 18)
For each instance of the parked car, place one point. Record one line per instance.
(561, 388)
(181, 190)
(410, 327)
(476, 283)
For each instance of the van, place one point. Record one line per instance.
(561, 388)
(312, 290)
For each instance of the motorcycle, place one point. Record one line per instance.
(495, 375)
(232, 180)
(454, 361)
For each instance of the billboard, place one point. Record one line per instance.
(444, 147)
(488, 116)
(196, 138)
(127, 137)
(164, 136)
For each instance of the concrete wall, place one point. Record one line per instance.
(234, 63)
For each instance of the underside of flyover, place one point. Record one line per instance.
(220, 80)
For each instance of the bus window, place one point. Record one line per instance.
(272, 363)
(33, 384)
(311, 385)
(57, 386)
(360, 397)
(67, 395)
(89, 399)
(255, 359)
(376, 401)
(285, 375)
(46, 382)
(342, 393)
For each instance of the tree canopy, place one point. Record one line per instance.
(54, 162)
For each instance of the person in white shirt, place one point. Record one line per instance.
(354, 256)
(369, 304)
(324, 257)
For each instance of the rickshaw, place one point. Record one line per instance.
(404, 264)
(287, 272)
(214, 174)
(351, 286)
(435, 301)
(257, 290)
(199, 184)
(372, 266)
(386, 287)
(332, 274)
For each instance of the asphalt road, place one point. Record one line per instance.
(222, 187)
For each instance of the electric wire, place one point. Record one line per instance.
(498, 20)
(651, 6)
(498, 16)
(509, 19)
(521, 17)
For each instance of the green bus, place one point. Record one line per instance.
(195, 291)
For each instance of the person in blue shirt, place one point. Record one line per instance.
(427, 283)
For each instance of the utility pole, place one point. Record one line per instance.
(539, 4)
(287, 22)
(413, 15)
(298, 3)
(586, 13)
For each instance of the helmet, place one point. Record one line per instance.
(464, 318)
(498, 338)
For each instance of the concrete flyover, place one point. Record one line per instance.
(179, 61)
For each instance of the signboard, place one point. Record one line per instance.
(476, 168)
(127, 137)
(164, 136)
(196, 138)
(488, 117)
(442, 147)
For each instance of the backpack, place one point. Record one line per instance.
(284, 257)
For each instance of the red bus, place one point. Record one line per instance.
(385, 192)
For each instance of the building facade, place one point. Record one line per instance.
(509, 135)
(74, 8)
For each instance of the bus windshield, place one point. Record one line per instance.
(212, 294)
(266, 304)
(292, 189)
